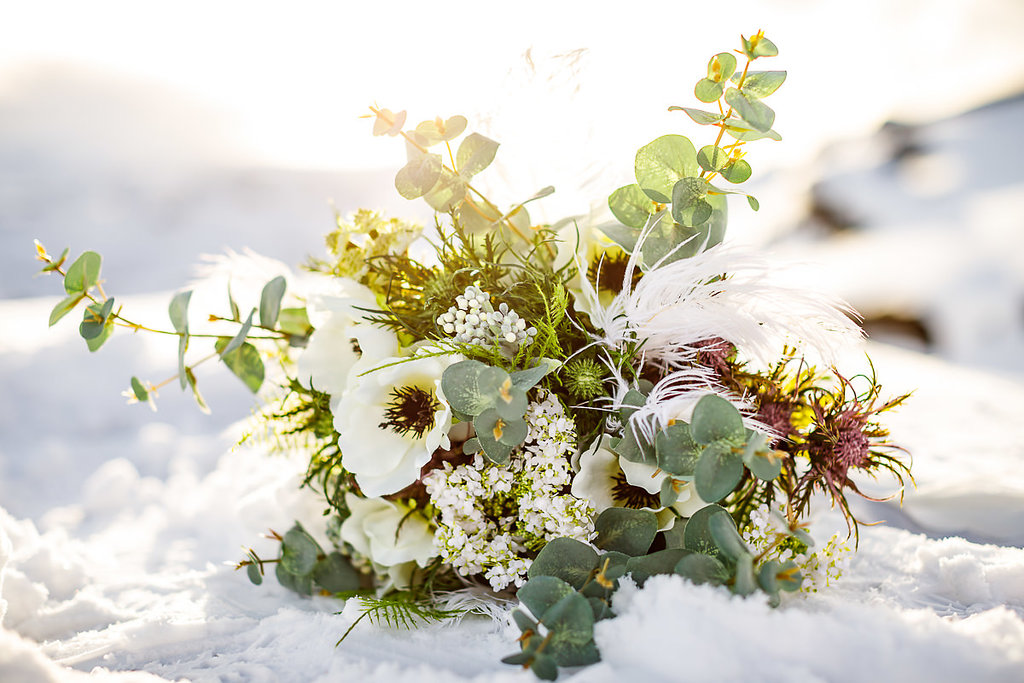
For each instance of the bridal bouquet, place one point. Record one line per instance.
(495, 407)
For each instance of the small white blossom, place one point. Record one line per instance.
(472, 320)
(489, 518)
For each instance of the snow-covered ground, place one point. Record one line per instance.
(118, 525)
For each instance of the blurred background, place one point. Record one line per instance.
(156, 132)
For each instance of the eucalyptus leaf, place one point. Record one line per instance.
(476, 152)
(139, 390)
(697, 534)
(752, 110)
(183, 371)
(253, 571)
(625, 530)
(744, 581)
(237, 340)
(632, 207)
(64, 307)
(540, 593)
(712, 158)
(661, 163)
(715, 418)
(700, 568)
(300, 583)
(707, 90)
(470, 387)
(759, 46)
(544, 667)
(736, 171)
(440, 130)
(677, 451)
(727, 537)
(335, 574)
(567, 559)
(83, 273)
(690, 206)
(419, 176)
(718, 472)
(270, 301)
(524, 380)
(761, 83)
(94, 343)
(570, 624)
(448, 192)
(704, 118)
(95, 318)
(721, 67)
(245, 362)
(659, 562)
(745, 132)
(299, 552)
(178, 311)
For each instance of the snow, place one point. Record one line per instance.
(118, 526)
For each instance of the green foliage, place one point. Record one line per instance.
(662, 163)
(567, 559)
(244, 361)
(625, 530)
(270, 301)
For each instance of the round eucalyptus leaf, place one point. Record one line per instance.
(718, 471)
(708, 90)
(299, 551)
(715, 418)
(661, 163)
(567, 559)
(700, 568)
(625, 530)
(737, 171)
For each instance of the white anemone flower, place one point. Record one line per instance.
(391, 420)
(605, 480)
(343, 342)
(384, 532)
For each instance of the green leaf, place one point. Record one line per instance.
(671, 241)
(742, 130)
(544, 667)
(721, 67)
(440, 130)
(736, 171)
(489, 425)
(677, 451)
(233, 305)
(634, 448)
(764, 462)
(567, 559)
(335, 574)
(524, 380)
(94, 343)
(712, 158)
(83, 273)
(669, 493)
(707, 90)
(183, 371)
(299, 551)
(753, 203)
(690, 207)
(744, 582)
(625, 530)
(270, 301)
(419, 176)
(476, 153)
(496, 451)
(570, 623)
(253, 570)
(64, 307)
(659, 562)
(632, 207)
(662, 163)
(718, 472)
(471, 387)
(471, 446)
(752, 110)
(178, 311)
(697, 535)
(700, 568)
(700, 116)
(524, 622)
(295, 322)
(511, 402)
(540, 593)
(244, 361)
(600, 608)
(715, 418)
(139, 390)
(95, 319)
(727, 538)
(761, 83)
(237, 340)
(301, 584)
(447, 193)
(759, 46)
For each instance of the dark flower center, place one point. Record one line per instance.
(411, 409)
(633, 496)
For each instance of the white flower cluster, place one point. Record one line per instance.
(489, 517)
(472, 320)
(819, 567)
